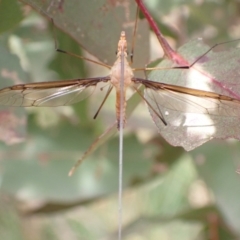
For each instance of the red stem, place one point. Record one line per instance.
(168, 51)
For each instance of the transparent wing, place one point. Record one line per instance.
(192, 116)
(49, 94)
(193, 120)
(184, 103)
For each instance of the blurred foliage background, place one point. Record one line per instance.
(168, 193)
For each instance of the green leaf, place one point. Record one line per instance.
(217, 163)
(10, 15)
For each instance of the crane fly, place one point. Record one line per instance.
(121, 77)
(62, 93)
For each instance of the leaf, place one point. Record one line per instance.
(218, 169)
(98, 26)
(193, 120)
(8, 21)
(39, 165)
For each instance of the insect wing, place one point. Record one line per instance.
(192, 120)
(49, 94)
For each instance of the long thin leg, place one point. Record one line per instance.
(104, 100)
